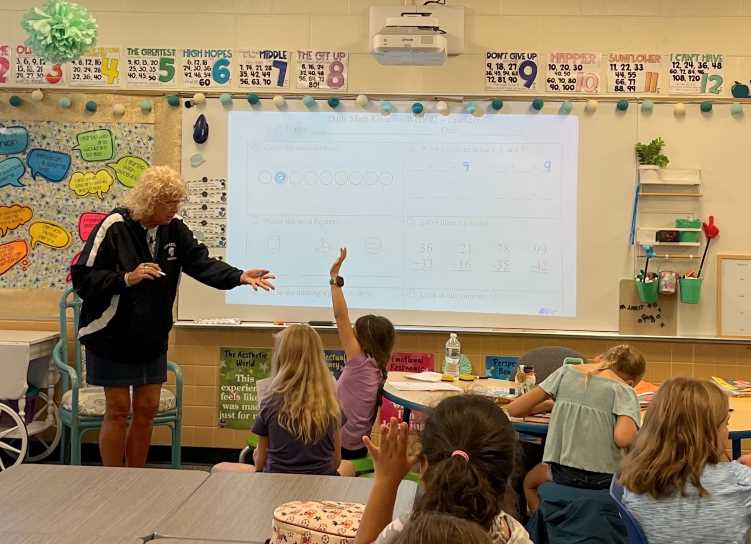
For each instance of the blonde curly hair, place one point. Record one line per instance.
(157, 185)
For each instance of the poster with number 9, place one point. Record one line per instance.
(321, 70)
(511, 70)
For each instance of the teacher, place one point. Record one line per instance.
(127, 277)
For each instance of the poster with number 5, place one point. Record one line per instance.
(321, 70)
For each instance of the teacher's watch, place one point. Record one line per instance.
(338, 281)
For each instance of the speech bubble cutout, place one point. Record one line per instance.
(87, 222)
(51, 165)
(12, 217)
(129, 169)
(48, 234)
(11, 172)
(13, 140)
(94, 183)
(96, 145)
(12, 253)
(73, 261)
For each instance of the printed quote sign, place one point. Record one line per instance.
(206, 68)
(634, 73)
(29, 69)
(335, 360)
(511, 70)
(696, 73)
(262, 68)
(406, 362)
(99, 67)
(239, 370)
(150, 67)
(321, 69)
(573, 73)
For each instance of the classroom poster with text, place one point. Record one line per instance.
(239, 370)
(573, 72)
(630, 73)
(28, 69)
(696, 73)
(150, 67)
(206, 68)
(99, 67)
(511, 70)
(321, 70)
(262, 68)
(406, 362)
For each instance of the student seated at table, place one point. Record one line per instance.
(594, 419)
(467, 459)
(298, 424)
(676, 483)
(368, 347)
(435, 528)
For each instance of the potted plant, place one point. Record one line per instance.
(651, 159)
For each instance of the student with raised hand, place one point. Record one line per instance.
(595, 418)
(298, 424)
(677, 483)
(467, 459)
(368, 347)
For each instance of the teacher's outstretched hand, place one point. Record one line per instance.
(258, 278)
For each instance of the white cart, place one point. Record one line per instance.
(26, 367)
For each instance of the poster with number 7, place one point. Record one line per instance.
(321, 70)
(262, 68)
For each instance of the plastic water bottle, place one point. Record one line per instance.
(453, 355)
(520, 378)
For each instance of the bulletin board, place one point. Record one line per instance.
(734, 296)
(61, 172)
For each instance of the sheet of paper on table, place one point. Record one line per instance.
(424, 386)
(425, 376)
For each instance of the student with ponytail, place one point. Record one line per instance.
(467, 459)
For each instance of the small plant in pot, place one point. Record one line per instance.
(651, 159)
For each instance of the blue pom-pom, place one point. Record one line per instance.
(496, 104)
(173, 100)
(225, 99)
(622, 105)
(470, 108)
(64, 102)
(706, 106)
(253, 99)
(417, 108)
(387, 107)
(333, 102)
(90, 106)
(736, 108)
(566, 107)
(308, 101)
(146, 106)
(15, 101)
(538, 103)
(647, 106)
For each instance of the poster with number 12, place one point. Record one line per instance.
(321, 70)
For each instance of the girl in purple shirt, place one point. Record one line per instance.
(368, 347)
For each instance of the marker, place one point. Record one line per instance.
(162, 273)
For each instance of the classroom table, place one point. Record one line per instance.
(112, 504)
(240, 506)
(35, 368)
(423, 401)
(43, 538)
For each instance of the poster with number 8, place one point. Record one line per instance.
(206, 68)
(29, 69)
(148, 67)
(321, 70)
(573, 73)
(511, 70)
(99, 67)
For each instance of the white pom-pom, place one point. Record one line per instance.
(118, 109)
(279, 101)
(442, 107)
(199, 98)
(37, 95)
(591, 106)
(361, 100)
(679, 108)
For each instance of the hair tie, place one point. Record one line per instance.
(460, 453)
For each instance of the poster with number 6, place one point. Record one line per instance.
(206, 68)
(321, 70)
(5, 60)
(99, 67)
(511, 70)
(575, 72)
(262, 68)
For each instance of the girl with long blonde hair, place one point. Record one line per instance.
(299, 421)
(676, 482)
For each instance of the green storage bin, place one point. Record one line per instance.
(690, 290)
(647, 290)
(688, 224)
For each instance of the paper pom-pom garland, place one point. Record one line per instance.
(225, 99)
(736, 108)
(679, 109)
(361, 100)
(591, 106)
(705, 106)
(537, 104)
(333, 102)
(64, 103)
(496, 104)
(279, 101)
(15, 101)
(90, 106)
(199, 98)
(442, 107)
(37, 95)
(308, 101)
(566, 108)
(173, 100)
(387, 107)
(253, 99)
(60, 31)
(470, 108)
(621, 105)
(146, 106)
(417, 108)
(647, 106)
(118, 110)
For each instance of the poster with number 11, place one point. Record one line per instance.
(321, 70)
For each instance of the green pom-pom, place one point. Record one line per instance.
(538, 103)
(622, 105)
(706, 106)
(647, 106)
(566, 107)
(64, 103)
(225, 99)
(333, 102)
(736, 108)
(253, 99)
(417, 108)
(15, 101)
(173, 100)
(146, 106)
(90, 106)
(496, 104)
(60, 31)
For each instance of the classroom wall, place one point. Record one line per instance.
(601, 25)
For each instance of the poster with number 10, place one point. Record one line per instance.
(151, 67)
(99, 67)
(29, 69)
(511, 70)
(206, 68)
(321, 70)
(573, 72)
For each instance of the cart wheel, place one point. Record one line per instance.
(14, 441)
(44, 434)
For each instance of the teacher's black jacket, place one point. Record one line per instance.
(131, 324)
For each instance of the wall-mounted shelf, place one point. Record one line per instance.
(684, 183)
(679, 229)
(675, 244)
(681, 194)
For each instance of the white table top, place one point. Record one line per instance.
(240, 506)
(86, 502)
(42, 538)
(27, 337)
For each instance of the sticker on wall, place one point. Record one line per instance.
(321, 69)
(696, 73)
(5, 60)
(206, 68)
(150, 67)
(239, 370)
(511, 70)
(49, 234)
(630, 73)
(99, 67)
(32, 70)
(577, 72)
(262, 68)
(12, 253)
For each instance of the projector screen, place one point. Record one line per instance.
(439, 213)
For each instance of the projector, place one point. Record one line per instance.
(411, 38)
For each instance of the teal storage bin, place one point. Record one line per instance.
(647, 290)
(688, 224)
(690, 290)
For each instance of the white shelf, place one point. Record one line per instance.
(670, 176)
(676, 194)
(676, 244)
(671, 228)
(685, 183)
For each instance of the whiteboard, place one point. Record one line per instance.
(734, 295)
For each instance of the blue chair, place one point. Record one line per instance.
(635, 533)
(82, 406)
